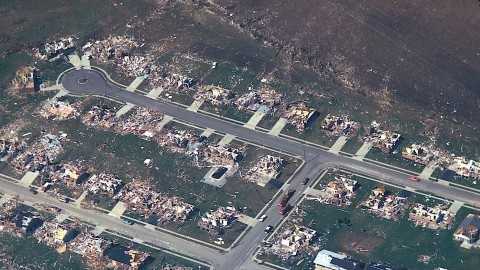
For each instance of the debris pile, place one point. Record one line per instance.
(90, 247)
(141, 122)
(340, 125)
(39, 155)
(420, 153)
(9, 149)
(469, 232)
(383, 204)
(221, 155)
(384, 140)
(103, 183)
(465, 168)
(180, 141)
(55, 234)
(431, 217)
(292, 240)
(103, 118)
(59, 110)
(253, 100)
(267, 167)
(171, 82)
(71, 174)
(112, 48)
(126, 258)
(215, 95)
(216, 221)
(339, 191)
(300, 115)
(55, 48)
(143, 199)
(23, 78)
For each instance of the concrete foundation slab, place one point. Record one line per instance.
(85, 61)
(278, 127)
(61, 217)
(228, 138)
(155, 93)
(136, 83)
(363, 151)
(338, 145)
(250, 221)
(208, 179)
(207, 132)
(125, 109)
(428, 171)
(196, 104)
(118, 210)
(255, 119)
(28, 178)
(80, 199)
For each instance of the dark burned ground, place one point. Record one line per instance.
(413, 59)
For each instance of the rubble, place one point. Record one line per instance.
(383, 204)
(143, 199)
(431, 217)
(300, 115)
(99, 117)
(221, 155)
(171, 82)
(180, 141)
(384, 140)
(253, 100)
(340, 125)
(126, 258)
(215, 95)
(9, 149)
(292, 240)
(421, 153)
(24, 78)
(39, 155)
(267, 167)
(141, 122)
(464, 167)
(216, 221)
(71, 175)
(55, 48)
(468, 232)
(59, 110)
(103, 183)
(56, 235)
(339, 191)
(90, 247)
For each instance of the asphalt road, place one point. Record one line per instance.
(92, 82)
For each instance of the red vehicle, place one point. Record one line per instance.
(285, 198)
(414, 178)
(285, 209)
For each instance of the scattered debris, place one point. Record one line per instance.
(103, 183)
(215, 222)
(39, 155)
(100, 117)
(292, 240)
(383, 204)
(468, 232)
(340, 125)
(431, 217)
(253, 100)
(59, 110)
(300, 115)
(384, 140)
(266, 168)
(215, 95)
(53, 49)
(339, 191)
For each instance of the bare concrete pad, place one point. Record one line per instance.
(61, 217)
(98, 230)
(456, 205)
(207, 132)
(428, 171)
(74, 60)
(28, 178)
(125, 109)
(363, 151)
(278, 127)
(208, 179)
(250, 221)
(155, 93)
(338, 145)
(166, 119)
(5, 198)
(118, 210)
(255, 119)
(196, 104)
(136, 83)
(228, 138)
(263, 181)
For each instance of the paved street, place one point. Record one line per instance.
(93, 82)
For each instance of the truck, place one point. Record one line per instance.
(285, 209)
(286, 197)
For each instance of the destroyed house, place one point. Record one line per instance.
(27, 221)
(127, 257)
(386, 141)
(340, 125)
(10, 149)
(214, 94)
(300, 115)
(104, 183)
(328, 260)
(216, 221)
(469, 229)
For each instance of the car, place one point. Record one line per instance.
(306, 180)
(33, 191)
(127, 221)
(262, 218)
(267, 244)
(268, 229)
(64, 199)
